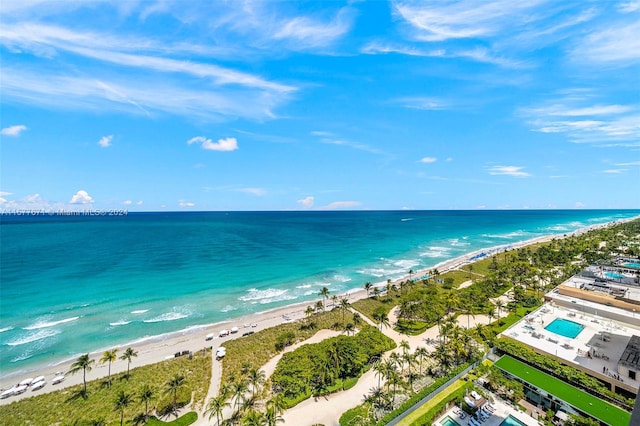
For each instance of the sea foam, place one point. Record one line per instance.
(169, 316)
(33, 337)
(46, 324)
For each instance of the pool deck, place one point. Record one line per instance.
(501, 413)
(597, 348)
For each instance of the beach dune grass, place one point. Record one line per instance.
(257, 349)
(67, 406)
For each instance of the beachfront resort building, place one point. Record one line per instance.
(590, 322)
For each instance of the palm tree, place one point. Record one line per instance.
(381, 318)
(253, 418)
(376, 292)
(278, 403)
(411, 275)
(271, 416)
(127, 355)
(421, 353)
(109, 356)
(388, 289)
(145, 394)
(367, 287)
(256, 379)
(349, 328)
(172, 386)
(357, 318)
(82, 363)
(324, 293)
(309, 311)
(319, 306)
(216, 406)
(123, 401)
(499, 305)
(334, 300)
(344, 305)
(238, 389)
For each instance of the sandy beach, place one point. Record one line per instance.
(160, 348)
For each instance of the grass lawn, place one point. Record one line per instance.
(581, 400)
(424, 408)
(185, 420)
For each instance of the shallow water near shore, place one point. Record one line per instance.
(76, 284)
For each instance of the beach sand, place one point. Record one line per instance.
(160, 348)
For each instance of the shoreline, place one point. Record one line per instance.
(154, 349)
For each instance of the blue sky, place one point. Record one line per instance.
(212, 105)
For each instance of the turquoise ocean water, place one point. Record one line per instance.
(71, 285)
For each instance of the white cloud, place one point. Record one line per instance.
(227, 144)
(449, 159)
(127, 202)
(340, 205)
(306, 32)
(13, 130)
(4, 193)
(614, 171)
(579, 204)
(423, 103)
(630, 6)
(259, 192)
(183, 203)
(619, 43)
(354, 145)
(585, 121)
(306, 202)
(81, 197)
(440, 21)
(105, 141)
(515, 171)
(139, 202)
(428, 160)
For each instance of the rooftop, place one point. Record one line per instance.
(598, 348)
(631, 356)
(577, 398)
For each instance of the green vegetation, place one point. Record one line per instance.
(567, 373)
(434, 407)
(99, 402)
(185, 420)
(596, 407)
(323, 367)
(260, 347)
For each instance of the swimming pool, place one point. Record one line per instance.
(614, 275)
(565, 327)
(512, 421)
(632, 265)
(448, 421)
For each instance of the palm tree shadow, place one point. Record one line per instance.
(77, 395)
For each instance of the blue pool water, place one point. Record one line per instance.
(512, 421)
(632, 265)
(448, 421)
(565, 328)
(614, 275)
